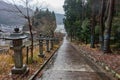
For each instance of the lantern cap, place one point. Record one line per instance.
(16, 30)
(16, 35)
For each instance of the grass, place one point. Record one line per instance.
(6, 61)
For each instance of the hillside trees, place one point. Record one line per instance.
(73, 9)
(44, 21)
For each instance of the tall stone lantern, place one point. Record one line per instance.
(17, 37)
(47, 43)
(41, 39)
(51, 43)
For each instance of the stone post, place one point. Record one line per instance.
(47, 44)
(52, 44)
(41, 46)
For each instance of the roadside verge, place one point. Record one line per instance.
(91, 61)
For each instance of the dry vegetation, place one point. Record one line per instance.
(6, 63)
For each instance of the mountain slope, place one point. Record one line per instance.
(10, 18)
(13, 18)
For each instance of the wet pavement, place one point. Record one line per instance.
(69, 64)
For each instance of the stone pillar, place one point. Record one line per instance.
(19, 68)
(56, 40)
(47, 44)
(52, 44)
(41, 54)
(18, 58)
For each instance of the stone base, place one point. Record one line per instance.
(41, 55)
(19, 70)
(51, 48)
(48, 51)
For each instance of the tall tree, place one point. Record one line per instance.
(108, 25)
(102, 26)
(93, 23)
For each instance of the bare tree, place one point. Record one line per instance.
(28, 18)
(26, 15)
(51, 28)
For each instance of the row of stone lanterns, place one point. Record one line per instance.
(48, 47)
(17, 39)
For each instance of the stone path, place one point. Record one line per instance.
(69, 64)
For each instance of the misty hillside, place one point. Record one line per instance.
(59, 18)
(13, 18)
(8, 17)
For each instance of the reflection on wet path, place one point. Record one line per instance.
(68, 64)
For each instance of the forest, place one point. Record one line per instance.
(94, 22)
(43, 21)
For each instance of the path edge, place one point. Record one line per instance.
(43, 65)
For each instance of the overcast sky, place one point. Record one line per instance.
(53, 5)
(56, 5)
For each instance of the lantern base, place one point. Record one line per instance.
(48, 50)
(51, 48)
(19, 70)
(41, 55)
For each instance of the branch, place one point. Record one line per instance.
(27, 9)
(19, 10)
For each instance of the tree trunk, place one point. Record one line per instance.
(93, 32)
(108, 26)
(102, 24)
(30, 29)
(93, 25)
(71, 34)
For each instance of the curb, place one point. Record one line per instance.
(103, 65)
(42, 66)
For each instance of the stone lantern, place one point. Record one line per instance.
(41, 39)
(56, 40)
(51, 43)
(47, 44)
(17, 37)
